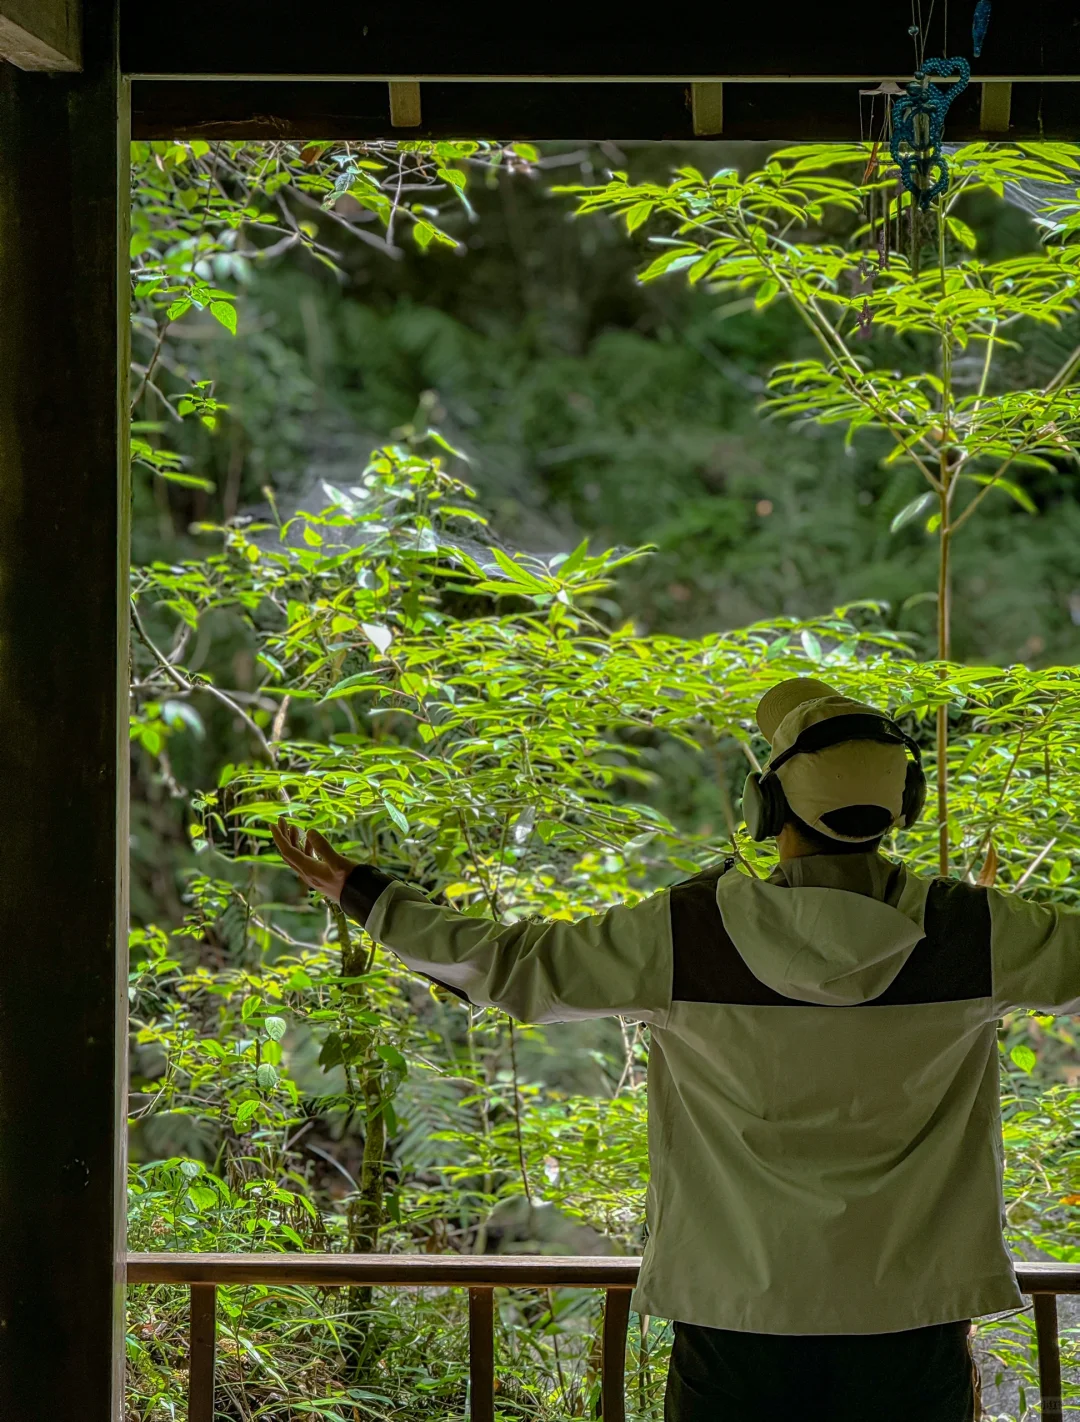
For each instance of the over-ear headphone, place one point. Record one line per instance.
(764, 805)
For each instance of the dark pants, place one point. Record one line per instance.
(925, 1375)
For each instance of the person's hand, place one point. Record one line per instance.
(315, 860)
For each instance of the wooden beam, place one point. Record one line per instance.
(772, 113)
(996, 107)
(707, 109)
(383, 40)
(41, 34)
(63, 738)
(404, 104)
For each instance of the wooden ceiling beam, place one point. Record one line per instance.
(281, 39)
(41, 34)
(224, 109)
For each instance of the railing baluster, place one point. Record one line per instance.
(482, 1355)
(202, 1352)
(1046, 1337)
(613, 1358)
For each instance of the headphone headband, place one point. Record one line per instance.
(859, 726)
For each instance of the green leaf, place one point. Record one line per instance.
(332, 1053)
(518, 574)
(962, 232)
(911, 511)
(378, 635)
(179, 716)
(636, 215)
(1061, 870)
(1024, 1058)
(391, 1056)
(225, 313)
(811, 646)
(267, 1076)
(189, 481)
(1007, 486)
(245, 1111)
(275, 1027)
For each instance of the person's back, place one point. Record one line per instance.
(823, 1082)
(825, 1147)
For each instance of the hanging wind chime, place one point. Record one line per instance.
(918, 126)
(912, 131)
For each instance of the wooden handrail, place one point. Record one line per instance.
(481, 1274)
(569, 1271)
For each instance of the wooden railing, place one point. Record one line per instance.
(202, 1273)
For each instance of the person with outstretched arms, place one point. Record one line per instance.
(825, 1199)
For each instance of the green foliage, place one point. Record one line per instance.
(743, 234)
(466, 718)
(488, 724)
(205, 218)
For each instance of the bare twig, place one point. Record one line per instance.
(186, 684)
(1026, 875)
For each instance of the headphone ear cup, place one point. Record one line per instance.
(753, 806)
(764, 806)
(914, 794)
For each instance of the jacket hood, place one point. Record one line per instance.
(818, 943)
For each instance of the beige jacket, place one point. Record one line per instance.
(824, 1133)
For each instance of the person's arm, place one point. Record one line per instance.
(611, 964)
(1036, 954)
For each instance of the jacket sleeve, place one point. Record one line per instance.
(1035, 950)
(617, 963)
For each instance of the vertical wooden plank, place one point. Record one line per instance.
(1046, 1336)
(613, 1364)
(202, 1352)
(404, 104)
(63, 738)
(707, 109)
(481, 1355)
(995, 108)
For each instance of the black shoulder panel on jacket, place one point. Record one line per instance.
(950, 964)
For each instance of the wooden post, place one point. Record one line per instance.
(995, 108)
(481, 1355)
(707, 109)
(1046, 1337)
(63, 742)
(202, 1352)
(613, 1358)
(404, 104)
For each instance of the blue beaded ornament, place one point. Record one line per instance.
(979, 25)
(919, 126)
